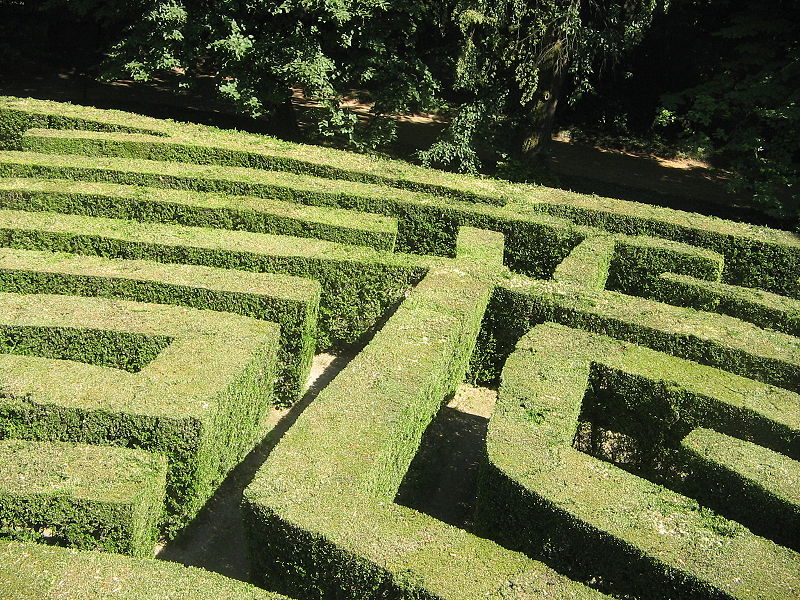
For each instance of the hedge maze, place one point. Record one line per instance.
(165, 286)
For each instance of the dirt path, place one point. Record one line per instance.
(442, 479)
(215, 540)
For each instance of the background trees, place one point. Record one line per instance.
(717, 78)
(512, 63)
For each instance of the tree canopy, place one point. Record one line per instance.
(718, 76)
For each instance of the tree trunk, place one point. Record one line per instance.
(540, 118)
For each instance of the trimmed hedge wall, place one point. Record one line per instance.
(755, 257)
(761, 308)
(358, 284)
(88, 497)
(320, 511)
(708, 338)
(208, 144)
(105, 186)
(426, 224)
(199, 402)
(37, 572)
(593, 519)
(199, 209)
(751, 253)
(638, 261)
(745, 482)
(588, 264)
(291, 302)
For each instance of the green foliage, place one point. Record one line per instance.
(747, 110)
(81, 496)
(320, 512)
(89, 186)
(38, 572)
(199, 402)
(613, 522)
(258, 50)
(290, 302)
(513, 59)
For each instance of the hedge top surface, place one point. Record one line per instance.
(182, 235)
(206, 200)
(775, 472)
(95, 473)
(272, 285)
(679, 322)
(38, 572)
(205, 350)
(530, 439)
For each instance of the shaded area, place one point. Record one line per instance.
(680, 184)
(160, 98)
(216, 538)
(443, 477)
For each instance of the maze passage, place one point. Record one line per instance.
(198, 401)
(165, 286)
(541, 495)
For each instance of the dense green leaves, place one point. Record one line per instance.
(748, 108)
(513, 59)
(727, 72)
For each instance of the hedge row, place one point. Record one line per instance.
(88, 497)
(764, 309)
(199, 209)
(358, 284)
(749, 251)
(638, 261)
(209, 144)
(588, 264)
(38, 572)
(631, 264)
(15, 122)
(745, 482)
(594, 519)
(535, 246)
(426, 224)
(320, 511)
(755, 257)
(199, 402)
(712, 339)
(291, 302)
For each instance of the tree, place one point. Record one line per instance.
(514, 58)
(500, 64)
(259, 49)
(748, 107)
